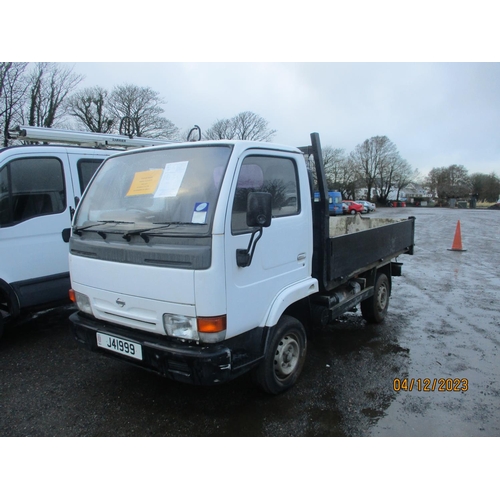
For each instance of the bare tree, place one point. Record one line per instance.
(137, 111)
(403, 176)
(349, 182)
(244, 126)
(49, 86)
(339, 172)
(89, 107)
(252, 127)
(221, 129)
(372, 156)
(335, 164)
(12, 93)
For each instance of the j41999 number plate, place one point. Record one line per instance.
(120, 346)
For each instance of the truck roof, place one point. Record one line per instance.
(238, 145)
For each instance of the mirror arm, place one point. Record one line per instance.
(244, 256)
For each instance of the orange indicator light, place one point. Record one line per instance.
(213, 324)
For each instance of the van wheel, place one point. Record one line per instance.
(284, 358)
(374, 309)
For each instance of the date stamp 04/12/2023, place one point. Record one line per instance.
(431, 384)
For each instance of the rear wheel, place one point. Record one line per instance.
(374, 309)
(284, 358)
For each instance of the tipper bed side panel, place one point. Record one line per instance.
(354, 252)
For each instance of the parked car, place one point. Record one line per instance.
(366, 206)
(353, 207)
(370, 207)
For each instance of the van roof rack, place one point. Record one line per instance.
(90, 139)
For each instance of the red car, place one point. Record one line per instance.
(352, 207)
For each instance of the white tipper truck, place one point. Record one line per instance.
(203, 261)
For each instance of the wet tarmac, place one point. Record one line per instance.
(442, 332)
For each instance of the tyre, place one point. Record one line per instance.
(353, 212)
(374, 309)
(284, 357)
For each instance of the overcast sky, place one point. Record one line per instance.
(437, 114)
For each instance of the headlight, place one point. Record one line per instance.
(209, 330)
(83, 303)
(182, 327)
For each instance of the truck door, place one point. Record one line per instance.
(282, 255)
(35, 196)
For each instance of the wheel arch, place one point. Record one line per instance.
(371, 275)
(290, 300)
(9, 296)
(386, 269)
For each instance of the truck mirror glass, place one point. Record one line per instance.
(259, 209)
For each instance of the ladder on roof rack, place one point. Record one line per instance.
(92, 139)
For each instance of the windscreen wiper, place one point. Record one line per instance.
(79, 230)
(128, 235)
(141, 232)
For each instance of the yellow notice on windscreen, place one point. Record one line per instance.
(145, 182)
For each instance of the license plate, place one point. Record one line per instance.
(125, 347)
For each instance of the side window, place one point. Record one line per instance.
(274, 175)
(5, 208)
(86, 169)
(31, 187)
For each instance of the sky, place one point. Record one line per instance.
(437, 114)
(426, 74)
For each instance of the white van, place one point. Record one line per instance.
(39, 189)
(40, 186)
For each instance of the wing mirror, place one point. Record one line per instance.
(259, 209)
(259, 215)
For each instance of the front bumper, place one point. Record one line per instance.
(206, 364)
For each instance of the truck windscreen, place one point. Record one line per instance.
(171, 187)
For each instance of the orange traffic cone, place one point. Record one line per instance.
(457, 240)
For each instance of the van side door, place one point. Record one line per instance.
(36, 193)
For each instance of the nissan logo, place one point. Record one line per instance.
(120, 302)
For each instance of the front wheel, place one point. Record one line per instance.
(284, 358)
(374, 309)
(353, 212)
